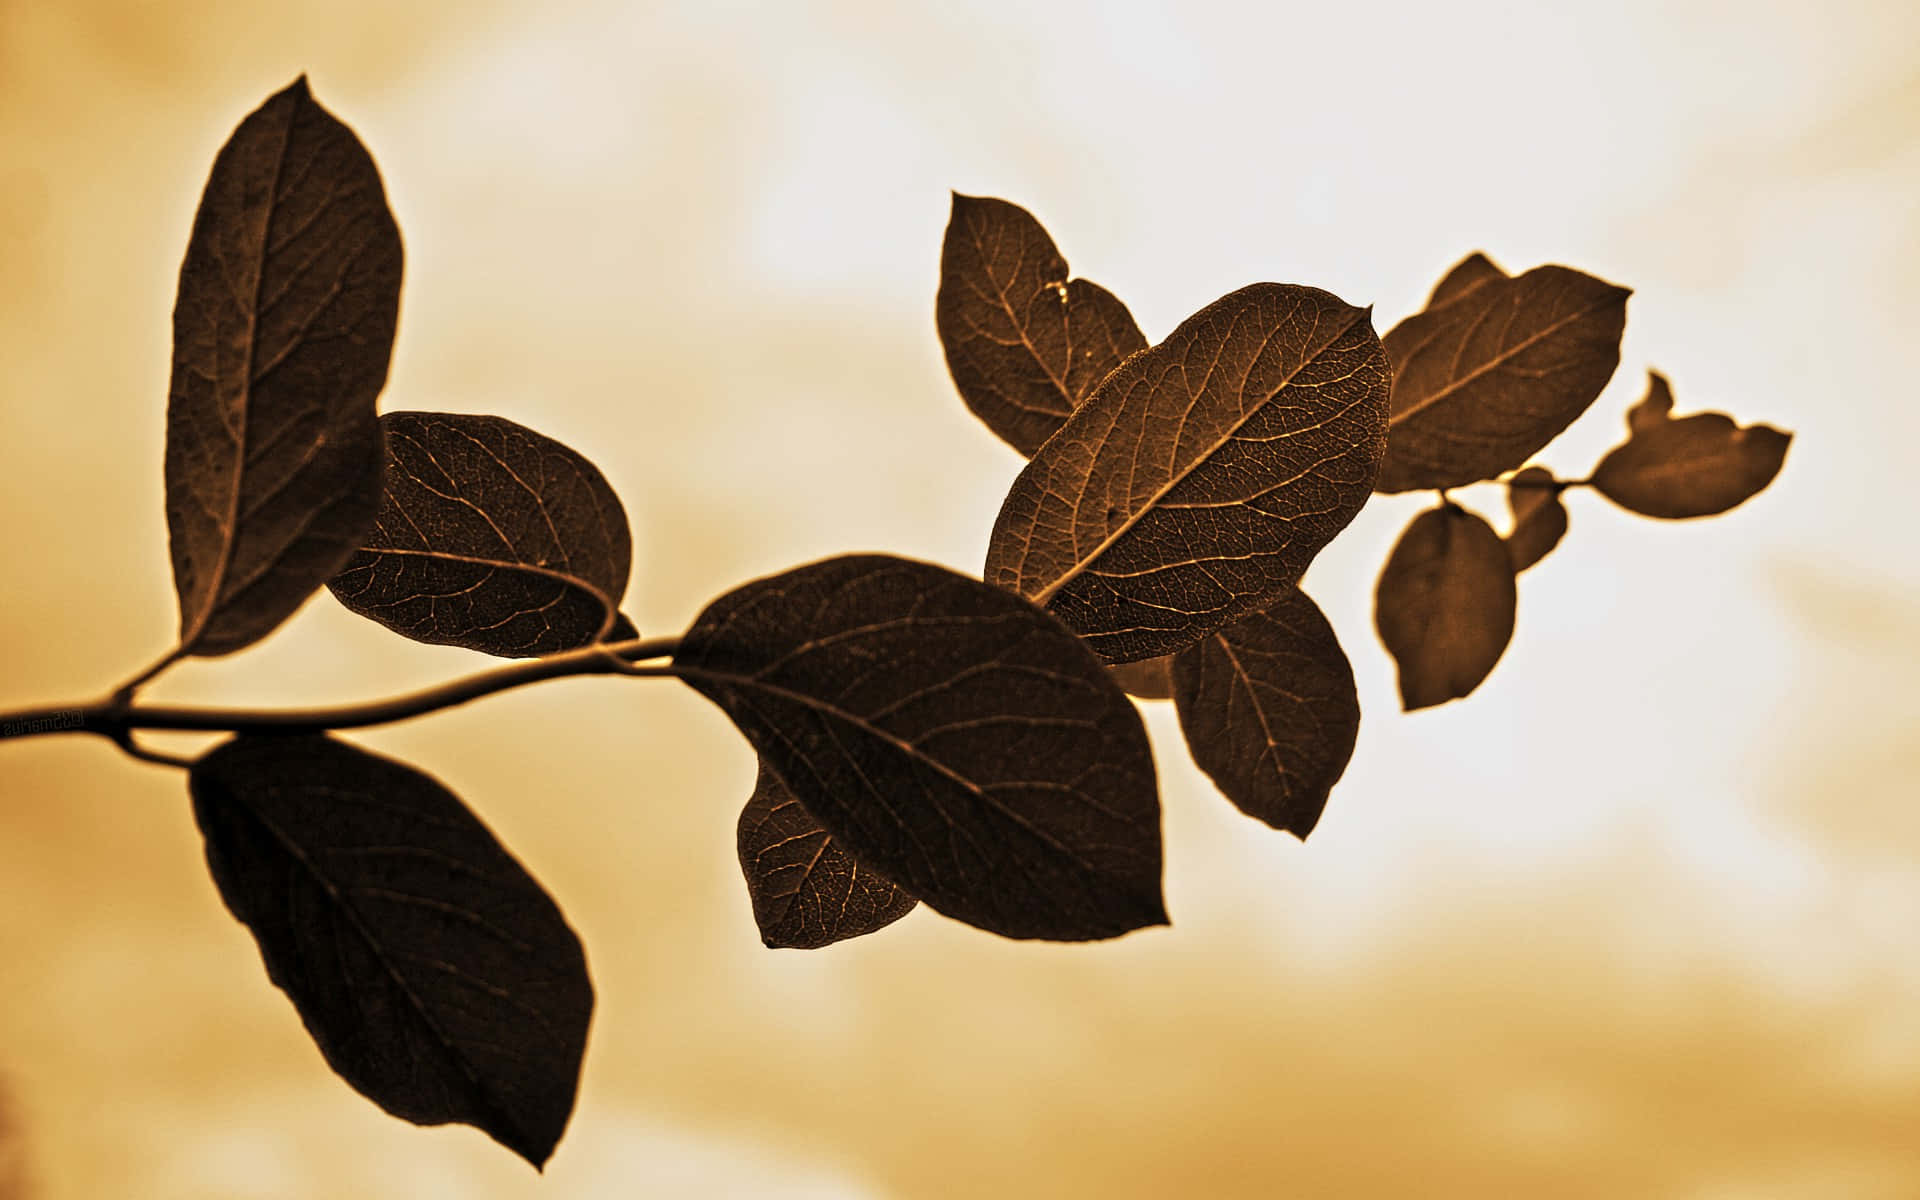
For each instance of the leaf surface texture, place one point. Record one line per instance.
(1202, 476)
(492, 537)
(949, 734)
(807, 891)
(1025, 344)
(1481, 383)
(1444, 606)
(1270, 712)
(282, 329)
(434, 973)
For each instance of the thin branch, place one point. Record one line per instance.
(114, 717)
(1558, 485)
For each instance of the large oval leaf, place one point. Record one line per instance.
(1202, 476)
(1483, 382)
(1444, 606)
(492, 537)
(1692, 466)
(1269, 710)
(433, 972)
(282, 329)
(950, 734)
(807, 891)
(1025, 344)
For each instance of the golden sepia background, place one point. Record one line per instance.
(1641, 918)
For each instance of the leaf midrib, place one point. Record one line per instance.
(230, 538)
(1500, 359)
(1176, 478)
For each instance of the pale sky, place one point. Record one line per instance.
(1635, 919)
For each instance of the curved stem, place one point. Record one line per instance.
(115, 716)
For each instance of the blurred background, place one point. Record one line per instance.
(1636, 919)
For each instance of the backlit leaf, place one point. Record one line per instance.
(950, 735)
(1655, 407)
(1269, 710)
(435, 975)
(1025, 344)
(807, 892)
(1467, 274)
(1482, 383)
(1691, 466)
(1147, 679)
(1539, 517)
(1202, 476)
(282, 328)
(489, 536)
(623, 629)
(1444, 605)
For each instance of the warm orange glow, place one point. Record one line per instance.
(1637, 918)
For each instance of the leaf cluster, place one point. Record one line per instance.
(923, 736)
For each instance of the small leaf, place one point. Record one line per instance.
(435, 975)
(1202, 476)
(1444, 606)
(282, 328)
(1025, 344)
(1147, 679)
(489, 536)
(1539, 517)
(1270, 712)
(623, 629)
(807, 891)
(1692, 466)
(1481, 384)
(1655, 408)
(947, 733)
(1466, 275)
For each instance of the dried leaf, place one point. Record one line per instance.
(1539, 517)
(1147, 679)
(950, 735)
(1654, 408)
(282, 328)
(1691, 466)
(489, 536)
(807, 891)
(1025, 344)
(1466, 275)
(1269, 710)
(1482, 383)
(1202, 476)
(1444, 606)
(433, 972)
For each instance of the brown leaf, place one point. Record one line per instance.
(1269, 710)
(1202, 476)
(1655, 407)
(489, 536)
(807, 891)
(1691, 466)
(1539, 517)
(437, 977)
(1148, 679)
(1482, 383)
(948, 734)
(1466, 275)
(1444, 605)
(1025, 344)
(282, 328)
